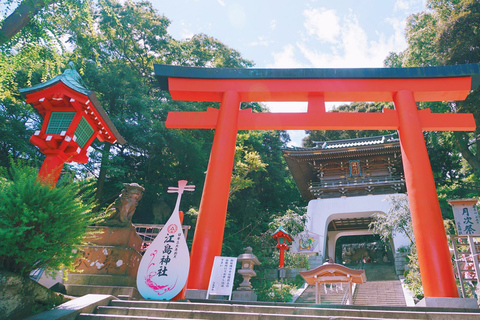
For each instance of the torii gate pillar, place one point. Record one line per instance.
(404, 87)
(210, 227)
(433, 257)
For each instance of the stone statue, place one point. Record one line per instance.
(121, 211)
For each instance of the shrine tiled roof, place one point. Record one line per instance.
(348, 143)
(301, 160)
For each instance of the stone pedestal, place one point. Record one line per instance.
(196, 294)
(242, 295)
(109, 262)
(456, 303)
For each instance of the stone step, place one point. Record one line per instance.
(119, 309)
(380, 293)
(97, 307)
(101, 279)
(331, 297)
(147, 313)
(78, 290)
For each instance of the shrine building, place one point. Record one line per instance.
(346, 183)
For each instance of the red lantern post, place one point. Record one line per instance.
(73, 118)
(282, 238)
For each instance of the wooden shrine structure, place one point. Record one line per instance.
(402, 86)
(352, 167)
(333, 273)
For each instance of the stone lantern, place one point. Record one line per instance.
(247, 260)
(73, 118)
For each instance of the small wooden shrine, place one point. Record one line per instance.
(353, 167)
(333, 273)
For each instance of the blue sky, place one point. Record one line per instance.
(297, 34)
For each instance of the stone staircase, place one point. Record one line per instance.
(156, 310)
(379, 293)
(327, 298)
(383, 288)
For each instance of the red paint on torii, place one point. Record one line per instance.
(434, 257)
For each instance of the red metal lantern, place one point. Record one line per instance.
(283, 238)
(73, 118)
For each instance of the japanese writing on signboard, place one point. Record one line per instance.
(163, 270)
(164, 267)
(170, 249)
(221, 279)
(466, 219)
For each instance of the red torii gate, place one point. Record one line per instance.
(403, 86)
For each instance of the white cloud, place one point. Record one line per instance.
(237, 15)
(354, 49)
(260, 42)
(186, 33)
(322, 23)
(409, 5)
(286, 59)
(222, 3)
(273, 24)
(341, 43)
(402, 5)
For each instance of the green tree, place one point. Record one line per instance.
(447, 33)
(40, 226)
(252, 209)
(329, 135)
(24, 21)
(396, 220)
(246, 160)
(114, 45)
(20, 17)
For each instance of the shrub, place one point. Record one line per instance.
(274, 292)
(39, 225)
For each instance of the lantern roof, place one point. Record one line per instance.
(72, 79)
(281, 233)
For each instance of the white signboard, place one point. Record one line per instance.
(466, 217)
(221, 279)
(163, 270)
(305, 241)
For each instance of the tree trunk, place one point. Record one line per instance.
(20, 18)
(102, 174)
(462, 142)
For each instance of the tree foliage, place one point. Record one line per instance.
(114, 45)
(324, 135)
(39, 225)
(447, 33)
(396, 221)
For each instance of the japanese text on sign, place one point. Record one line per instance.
(221, 279)
(466, 219)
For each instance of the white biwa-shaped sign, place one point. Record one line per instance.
(163, 271)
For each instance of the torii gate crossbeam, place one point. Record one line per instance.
(403, 86)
